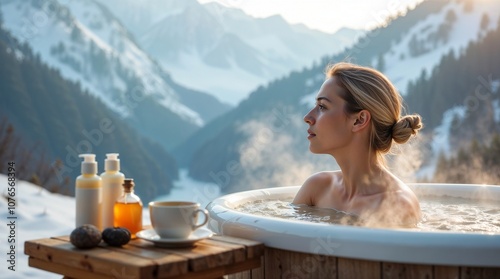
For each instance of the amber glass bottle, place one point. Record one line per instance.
(128, 209)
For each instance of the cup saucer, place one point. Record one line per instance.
(150, 235)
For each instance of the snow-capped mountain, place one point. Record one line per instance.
(220, 49)
(83, 40)
(451, 29)
(87, 44)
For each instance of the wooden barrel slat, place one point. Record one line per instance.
(254, 248)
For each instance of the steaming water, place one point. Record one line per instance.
(438, 214)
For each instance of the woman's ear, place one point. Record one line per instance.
(361, 120)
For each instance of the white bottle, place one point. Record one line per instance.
(88, 194)
(112, 181)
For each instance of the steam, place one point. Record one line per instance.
(278, 156)
(273, 157)
(406, 160)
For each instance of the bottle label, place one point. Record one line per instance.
(89, 183)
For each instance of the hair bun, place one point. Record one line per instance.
(405, 127)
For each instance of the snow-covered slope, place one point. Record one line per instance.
(220, 49)
(422, 48)
(40, 214)
(452, 29)
(87, 44)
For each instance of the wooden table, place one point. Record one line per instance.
(209, 258)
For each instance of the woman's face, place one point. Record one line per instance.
(329, 126)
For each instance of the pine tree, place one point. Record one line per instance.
(451, 17)
(485, 21)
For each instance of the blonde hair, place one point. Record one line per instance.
(368, 89)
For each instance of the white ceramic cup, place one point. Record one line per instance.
(176, 219)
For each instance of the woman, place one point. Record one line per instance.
(356, 118)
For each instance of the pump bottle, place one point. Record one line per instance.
(112, 180)
(88, 194)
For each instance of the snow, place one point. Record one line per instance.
(93, 37)
(239, 80)
(233, 84)
(111, 38)
(273, 45)
(41, 36)
(309, 100)
(465, 29)
(496, 107)
(495, 84)
(41, 214)
(276, 54)
(440, 142)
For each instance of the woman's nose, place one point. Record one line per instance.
(308, 118)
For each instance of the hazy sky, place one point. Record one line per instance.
(324, 15)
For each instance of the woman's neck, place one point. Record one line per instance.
(362, 173)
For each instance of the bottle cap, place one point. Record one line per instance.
(89, 165)
(112, 163)
(128, 185)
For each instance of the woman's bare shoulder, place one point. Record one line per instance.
(402, 206)
(314, 186)
(407, 198)
(322, 178)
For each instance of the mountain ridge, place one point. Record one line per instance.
(87, 44)
(274, 47)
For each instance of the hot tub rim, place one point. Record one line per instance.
(226, 220)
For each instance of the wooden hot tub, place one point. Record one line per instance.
(298, 249)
